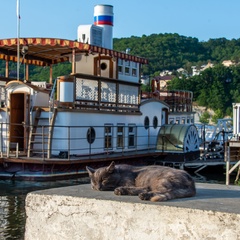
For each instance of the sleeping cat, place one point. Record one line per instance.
(154, 183)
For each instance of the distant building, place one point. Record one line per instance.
(160, 82)
(197, 71)
(145, 80)
(228, 63)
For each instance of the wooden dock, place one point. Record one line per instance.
(232, 159)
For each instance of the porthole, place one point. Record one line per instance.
(146, 122)
(103, 66)
(155, 122)
(91, 135)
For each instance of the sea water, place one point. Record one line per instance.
(12, 203)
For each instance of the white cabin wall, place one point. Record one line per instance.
(84, 64)
(40, 99)
(98, 120)
(36, 98)
(151, 110)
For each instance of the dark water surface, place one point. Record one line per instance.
(13, 193)
(12, 204)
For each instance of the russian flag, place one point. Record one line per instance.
(103, 20)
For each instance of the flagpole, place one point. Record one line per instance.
(18, 37)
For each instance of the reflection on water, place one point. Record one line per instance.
(12, 217)
(12, 204)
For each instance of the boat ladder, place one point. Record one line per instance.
(40, 136)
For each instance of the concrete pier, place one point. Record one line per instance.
(78, 212)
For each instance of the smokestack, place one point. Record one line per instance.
(103, 17)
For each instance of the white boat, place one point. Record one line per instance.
(83, 117)
(93, 115)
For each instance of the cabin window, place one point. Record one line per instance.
(183, 121)
(134, 64)
(127, 70)
(120, 136)
(177, 120)
(155, 122)
(120, 69)
(103, 66)
(146, 122)
(188, 120)
(91, 135)
(108, 137)
(171, 120)
(134, 72)
(120, 61)
(131, 136)
(127, 63)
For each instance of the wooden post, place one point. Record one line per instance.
(73, 61)
(27, 72)
(7, 68)
(50, 77)
(227, 160)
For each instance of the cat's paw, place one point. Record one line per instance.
(144, 196)
(120, 191)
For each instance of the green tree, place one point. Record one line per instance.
(204, 118)
(217, 115)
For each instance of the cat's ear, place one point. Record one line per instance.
(91, 171)
(111, 167)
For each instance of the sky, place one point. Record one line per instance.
(203, 19)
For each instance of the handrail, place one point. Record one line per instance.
(74, 141)
(51, 99)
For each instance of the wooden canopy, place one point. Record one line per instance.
(48, 51)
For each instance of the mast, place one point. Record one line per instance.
(18, 37)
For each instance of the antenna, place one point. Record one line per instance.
(18, 36)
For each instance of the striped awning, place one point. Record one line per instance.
(48, 51)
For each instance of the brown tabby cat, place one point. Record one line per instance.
(154, 183)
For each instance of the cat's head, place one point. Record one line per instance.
(105, 178)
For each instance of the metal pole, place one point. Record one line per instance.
(227, 159)
(18, 36)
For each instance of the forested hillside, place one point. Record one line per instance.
(172, 51)
(164, 51)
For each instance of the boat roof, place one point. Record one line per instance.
(48, 51)
(34, 87)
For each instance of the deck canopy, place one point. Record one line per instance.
(48, 51)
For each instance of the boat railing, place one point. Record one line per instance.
(76, 141)
(104, 94)
(178, 101)
(108, 106)
(52, 95)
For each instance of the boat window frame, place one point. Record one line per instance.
(108, 136)
(132, 135)
(120, 136)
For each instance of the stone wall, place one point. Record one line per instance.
(80, 213)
